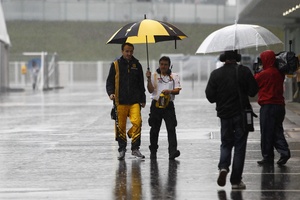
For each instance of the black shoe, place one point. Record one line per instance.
(283, 160)
(265, 162)
(174, 155)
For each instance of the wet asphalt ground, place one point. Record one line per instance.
(59, 145)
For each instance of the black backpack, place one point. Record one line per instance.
(287, 62)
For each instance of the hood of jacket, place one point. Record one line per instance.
(268, 59)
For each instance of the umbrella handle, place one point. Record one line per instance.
(147, 53)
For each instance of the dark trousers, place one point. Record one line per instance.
(233, 135)
(155, 119)
(271, 120)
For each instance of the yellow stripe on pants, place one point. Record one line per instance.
(134, 114)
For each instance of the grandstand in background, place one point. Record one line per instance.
(179, 11)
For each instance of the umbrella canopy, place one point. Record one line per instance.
(146, 31)
(236, 37)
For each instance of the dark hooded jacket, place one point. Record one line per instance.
(222, 89)
(131, 82)
(270, 81)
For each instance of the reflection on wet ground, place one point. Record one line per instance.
(234, 195)
(159, 188)
(128, 182)
(60, 145)
(274, 183)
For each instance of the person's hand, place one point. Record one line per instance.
(166, 92)
(148, 74)
(112, 96)
(143, 105)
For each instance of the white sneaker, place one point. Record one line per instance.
(137, 153)
(240, 186)
(222, 177)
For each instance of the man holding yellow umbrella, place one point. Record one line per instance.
(125, 86)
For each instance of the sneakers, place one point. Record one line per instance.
(121, 155)
(222, 181)
(239, 186)
(137, 153)
(222, 177)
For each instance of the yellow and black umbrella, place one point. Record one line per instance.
(146, 31)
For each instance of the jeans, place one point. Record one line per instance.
(233, 135)
(271, 120)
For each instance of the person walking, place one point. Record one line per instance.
(230, 87)
(125, 86)
(34, 74)
(163, 86)
(272, 111)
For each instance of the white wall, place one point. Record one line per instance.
(4, 47)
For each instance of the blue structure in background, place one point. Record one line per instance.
(36, 60)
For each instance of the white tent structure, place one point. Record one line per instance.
(4, 46)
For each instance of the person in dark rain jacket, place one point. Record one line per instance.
(222, 89)
(125, 86)
(272, 112)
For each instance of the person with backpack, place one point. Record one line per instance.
(125, 86)
(270, 81)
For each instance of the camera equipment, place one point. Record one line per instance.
(287, 62)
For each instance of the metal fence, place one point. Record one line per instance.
(195, 68)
